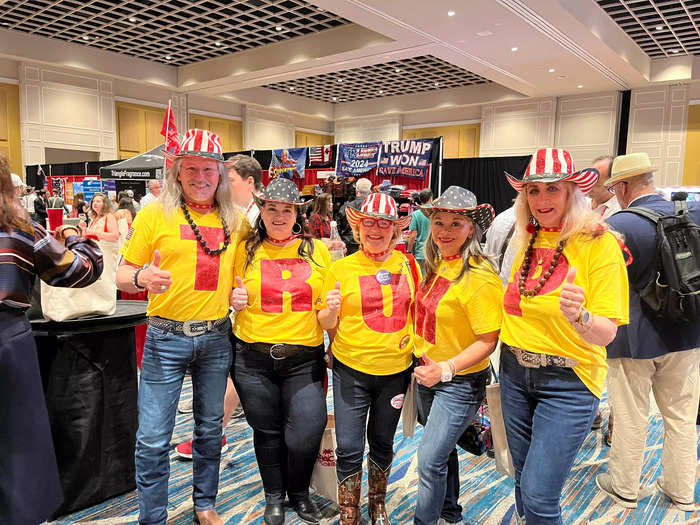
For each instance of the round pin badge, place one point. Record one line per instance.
(404, 341)
(397, 401)
(383, 276)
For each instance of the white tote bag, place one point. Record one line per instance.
(504, 461)
(324, 479)
(100, 298)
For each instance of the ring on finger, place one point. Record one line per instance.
(163, 287)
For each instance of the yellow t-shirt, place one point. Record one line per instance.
(537, 323)
(283, 290)
(375, 327)
(450, 315)
(202, 283)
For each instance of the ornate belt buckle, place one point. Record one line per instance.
(274, 348)
(194, 328)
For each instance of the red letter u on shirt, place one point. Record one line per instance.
(373, 303)
(285, 275)
(426, 307)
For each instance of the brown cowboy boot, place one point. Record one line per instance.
(377, 493)
(349, 499)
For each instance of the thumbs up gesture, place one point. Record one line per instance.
(429, 373)
(571, 297)
(333, 298)
(154, 278)
(239, 295)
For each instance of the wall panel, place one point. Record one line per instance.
(516, 128)
(10, 142)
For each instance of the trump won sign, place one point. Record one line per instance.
(405, 158)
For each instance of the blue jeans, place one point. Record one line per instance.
(285, 404)
(548, 413)
(356, 396)
(446, 410)
(166, 357)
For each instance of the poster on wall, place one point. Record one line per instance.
(357, 159)
(288, 163)
(405, 158)
(90, 187)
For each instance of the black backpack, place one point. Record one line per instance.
(673, 293)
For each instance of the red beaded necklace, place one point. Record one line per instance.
(529, 257)
(280, 241)
(379, 255)
(201, 206)
(452, 257)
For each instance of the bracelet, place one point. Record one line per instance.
(453, 366)
(136, 278)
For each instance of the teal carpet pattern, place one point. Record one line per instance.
(486, 496)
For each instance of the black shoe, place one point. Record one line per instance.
(307, 511)
(274, 514)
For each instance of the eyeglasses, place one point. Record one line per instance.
(611, 189)
(380, 223)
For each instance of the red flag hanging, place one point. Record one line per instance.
(169, 131)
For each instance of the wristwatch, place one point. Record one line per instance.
(584, 317)
(446, 375)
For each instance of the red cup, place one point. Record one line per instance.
(55, 218)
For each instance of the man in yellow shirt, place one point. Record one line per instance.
(181, 249)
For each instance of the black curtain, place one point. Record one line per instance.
(484, 176)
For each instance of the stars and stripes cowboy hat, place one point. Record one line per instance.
(377, 206)
(555, 165)
(456, 199)
(198, 143)
(282, 191)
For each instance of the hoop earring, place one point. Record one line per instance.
(532, 220)
(298, 228)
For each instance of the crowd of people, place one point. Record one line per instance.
(242, 287)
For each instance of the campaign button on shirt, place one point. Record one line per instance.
(383, 276)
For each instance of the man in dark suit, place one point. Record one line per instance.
(650, 354)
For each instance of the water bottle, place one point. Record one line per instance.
(336, 253)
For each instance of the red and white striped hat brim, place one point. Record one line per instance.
(555, 165)
(199, 143)
(377, 206)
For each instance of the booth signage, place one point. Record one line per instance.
(356, 159)
(288, 163)
(405, 158)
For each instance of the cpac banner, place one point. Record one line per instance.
(356, 159)
(288, 163)
(405, 158)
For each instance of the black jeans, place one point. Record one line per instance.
(285, 404)
(355, 395)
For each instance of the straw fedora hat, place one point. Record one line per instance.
(628, 166)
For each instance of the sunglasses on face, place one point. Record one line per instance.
(380, 223)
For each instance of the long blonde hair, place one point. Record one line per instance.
(171, 196)
(578, 217)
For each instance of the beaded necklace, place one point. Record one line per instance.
(198, 235)
(452, 257)
(201, 206)
(280, 242)
(529, 257)
(371, 255)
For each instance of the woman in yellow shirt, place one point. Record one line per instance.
(279, 368)
(368, 296)
(458, 317)
(566, 296)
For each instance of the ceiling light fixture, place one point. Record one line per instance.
(217, 44)
(659, 28)
(340, 81)
(341, 100)
(551, 70)
(380, 92)
(397, 70)
(675, 51)
(334, 99)
(279, 28)
(579, 86)
(437, 84)
(450, 13)
(132, 20)
(513, 49)
(85, 37)
(168, 57)
(291, 88)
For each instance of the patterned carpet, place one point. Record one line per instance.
(486, 496)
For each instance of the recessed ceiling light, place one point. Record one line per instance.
(132, 20)
(291, 88)
(450, 13)
(580, 86)
(334, 99)
(168, 57)
(659, 28)
(341, 100)
(340, 80)
(380, 92)
(551, 70)
(217, 44)
(562, 76)
(86, 37)
(397, 70)
(513, 49)
(675, 51)
(279, 28)
(437, 84)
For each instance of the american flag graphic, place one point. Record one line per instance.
(319, 155)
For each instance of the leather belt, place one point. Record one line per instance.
(280, 351)
(188, 328)
(537, 360)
